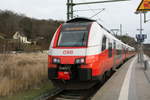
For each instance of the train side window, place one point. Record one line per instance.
(104, 43)
(110, 50)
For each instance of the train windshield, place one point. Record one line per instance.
(75, 35)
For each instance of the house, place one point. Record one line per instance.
(21, 37)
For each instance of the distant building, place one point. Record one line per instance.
(21, 37)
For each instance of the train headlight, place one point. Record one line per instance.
(80, 61)
(56, 61)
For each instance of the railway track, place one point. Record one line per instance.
(49, 94)
(59, 94)
(75, 94)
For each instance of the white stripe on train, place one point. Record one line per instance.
(76, 52)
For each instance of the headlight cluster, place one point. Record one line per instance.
(80, 61)
(77, 61)
(56, 61)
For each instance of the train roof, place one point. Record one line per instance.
(83, 19)
(80, 19)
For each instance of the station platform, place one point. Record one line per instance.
(130, 82)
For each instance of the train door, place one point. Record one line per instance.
(122, 53)
(109, 49)
(104, 43)
(104, 46)
(110, 54)
(114, 53)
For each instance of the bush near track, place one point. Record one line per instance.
(21, 72)
(147, 53)
(146, 48)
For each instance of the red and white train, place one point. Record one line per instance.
(82, 52)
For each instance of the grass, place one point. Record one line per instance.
(21, 72)
(30, 94)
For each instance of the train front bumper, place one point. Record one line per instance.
(82, 74)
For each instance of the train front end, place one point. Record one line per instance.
(68, 65)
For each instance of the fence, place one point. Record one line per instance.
(8, 45)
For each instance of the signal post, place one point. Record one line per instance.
(143, 8)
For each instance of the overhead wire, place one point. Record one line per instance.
(87, 10)
(93, 11)
(97, 13)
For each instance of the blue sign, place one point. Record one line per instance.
(141, 37)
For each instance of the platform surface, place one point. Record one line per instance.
(130, 82)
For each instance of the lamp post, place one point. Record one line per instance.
(140, 45)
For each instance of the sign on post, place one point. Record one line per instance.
(141, 37)
(144, 6)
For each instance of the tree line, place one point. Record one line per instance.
(11, 22)
(127, 40)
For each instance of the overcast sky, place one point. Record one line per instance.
(114, 14)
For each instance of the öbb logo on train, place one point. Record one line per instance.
(68, 52)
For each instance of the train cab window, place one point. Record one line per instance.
(104, 43)
(110, 50)
(73, 39)
(74, 35)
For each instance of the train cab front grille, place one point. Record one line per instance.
(73, 69)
